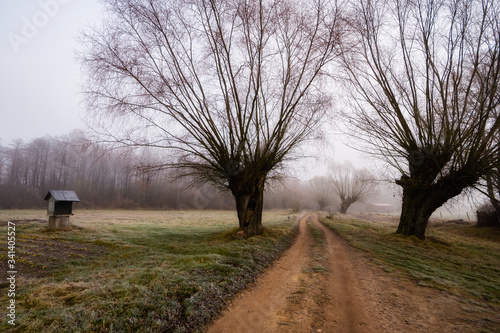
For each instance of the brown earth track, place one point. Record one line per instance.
(256, 310)
(331, 287)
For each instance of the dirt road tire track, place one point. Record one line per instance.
(255, 310)
(345, 310)
(351, 295)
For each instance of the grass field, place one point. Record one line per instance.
(156, 271)
(456, 256)
(133, 271)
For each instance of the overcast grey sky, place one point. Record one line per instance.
(39, 85)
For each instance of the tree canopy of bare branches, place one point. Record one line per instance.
(424, 77)
(350, 184)
(321, 191)
(231, 86)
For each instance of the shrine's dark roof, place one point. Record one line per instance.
(62, 196)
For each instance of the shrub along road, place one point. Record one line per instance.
(322, 284)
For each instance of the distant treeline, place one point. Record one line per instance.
(102, 178)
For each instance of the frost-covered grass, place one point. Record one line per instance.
(134, 271)
(456, 256)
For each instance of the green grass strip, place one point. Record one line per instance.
(456, 256)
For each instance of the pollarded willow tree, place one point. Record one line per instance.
(351, 184)
(231, 87)
(321, 192)
(424, 77)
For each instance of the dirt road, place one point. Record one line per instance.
(321, 284)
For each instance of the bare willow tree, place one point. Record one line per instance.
(321, 191)
(424, 77)
(232, 87)
(350, 184)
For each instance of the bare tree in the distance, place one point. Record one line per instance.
(425, 82)
(232, 87)
(350, 184)
(321, 191)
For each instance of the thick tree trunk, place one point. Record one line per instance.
(491, 193)
(419, 202)
(415, 214)
(343, 207)
(249, 198)
(345, 204)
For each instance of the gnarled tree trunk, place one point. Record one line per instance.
(420, 201)
(249, 197)
(491, 193)
(416, 210)
(345, 203)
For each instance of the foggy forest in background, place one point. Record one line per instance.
(100, 177)
(104, 178)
